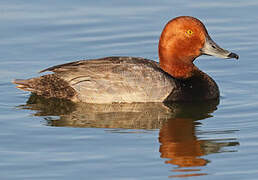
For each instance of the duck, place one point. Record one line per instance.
(123, 79)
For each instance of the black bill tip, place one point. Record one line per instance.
(233, 55)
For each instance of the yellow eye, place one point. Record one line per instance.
(189, 32)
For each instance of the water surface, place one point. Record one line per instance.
(59, 140)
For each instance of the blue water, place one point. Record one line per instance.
(57, 140)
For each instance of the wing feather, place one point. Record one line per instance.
(115, 79)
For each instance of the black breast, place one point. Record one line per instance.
(199, 87)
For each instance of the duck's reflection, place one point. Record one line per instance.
(180, 145)
(177, 123)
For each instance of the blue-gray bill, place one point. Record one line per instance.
(212, 49)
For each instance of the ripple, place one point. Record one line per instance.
(38, 144)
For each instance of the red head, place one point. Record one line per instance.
(183, 39)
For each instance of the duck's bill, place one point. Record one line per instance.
(212, 49)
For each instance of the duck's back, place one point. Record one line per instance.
(107, 80)
(119, 79)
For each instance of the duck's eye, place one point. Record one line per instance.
(189, 32)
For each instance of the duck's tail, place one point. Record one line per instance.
(26, 84)
(48, 86)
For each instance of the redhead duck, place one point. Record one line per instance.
(133, 79)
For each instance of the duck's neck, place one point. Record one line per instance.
(177, 66)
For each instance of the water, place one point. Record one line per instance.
(58, 140)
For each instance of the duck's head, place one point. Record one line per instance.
(184, 39)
